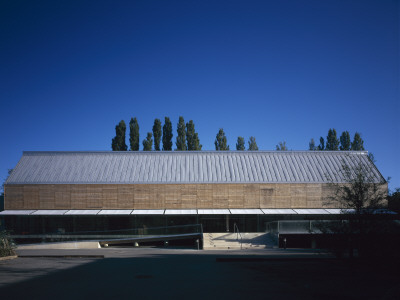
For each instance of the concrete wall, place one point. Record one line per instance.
(165, 196)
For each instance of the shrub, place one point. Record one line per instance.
(6, 244)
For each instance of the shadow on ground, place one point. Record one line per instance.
(191, 276)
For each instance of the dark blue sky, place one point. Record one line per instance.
(276, 70)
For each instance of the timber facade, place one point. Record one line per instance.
(166, 196)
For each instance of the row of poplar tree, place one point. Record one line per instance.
(187, 138)
(164, 133)
(333, 143)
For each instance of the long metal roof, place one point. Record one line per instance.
(131, 167)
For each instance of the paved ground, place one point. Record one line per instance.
(137, 273)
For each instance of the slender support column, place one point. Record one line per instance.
(227, 223)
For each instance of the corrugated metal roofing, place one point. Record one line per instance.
(185, 167)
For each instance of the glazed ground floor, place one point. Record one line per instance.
(40, 224)
(299, 229)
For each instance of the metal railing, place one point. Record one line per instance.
(236, 230)
(143, 232)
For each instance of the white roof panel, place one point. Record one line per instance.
(334, 211)
(214, 212)
(311, 211)
(147, 212)
(278, 211)
(252, 211)
(130, 167)
(181, 211)
(83, 212)
(16, 212)
(115, 212)
(49, 212)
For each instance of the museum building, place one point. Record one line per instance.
(50, 192)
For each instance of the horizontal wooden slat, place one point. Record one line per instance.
(165, 196)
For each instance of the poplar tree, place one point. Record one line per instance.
(167, 135)
(118, 142)
(157, 134)
(134, 134)
(311, 145)
(252, 144)
(332, 142)
(181, 138)
(148, 142)
(321, 145)
(240, 144)
(221, 141)
(193, 142)
(345, 143)
(358, 143)
(281, 146)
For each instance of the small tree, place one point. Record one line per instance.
(148, 142)
(361, 192)
(2, 191)
(134, 134)
(240, 144)
(394, 201)
(193, 142)
(220, 142)
(345, 143)
(311, 145)
(332, 142)
(118, 142)
(181, 138)
(167, 135)
(157, 134)
(358, 143)
(321, 145)
(252, 144)
(281, 146)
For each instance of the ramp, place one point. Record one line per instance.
(150, 238)
(89, 239)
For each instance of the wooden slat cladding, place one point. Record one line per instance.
(94, 196)
(204, 196)
(236, 195)
(165, 196)
(266, 198)
(15, 194)
(46, 197)
(110, 196)
(31, 196)
(62, 197)
(79, 196)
